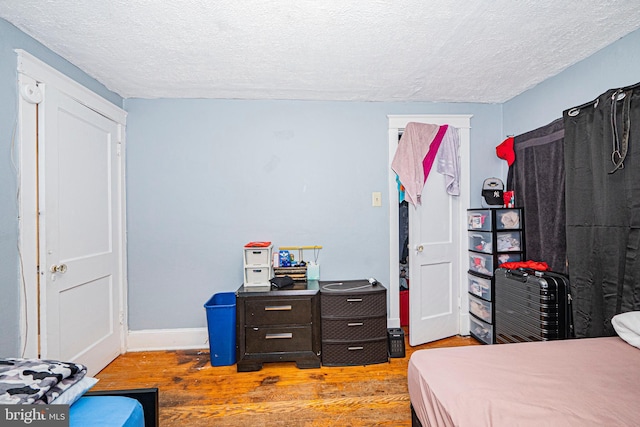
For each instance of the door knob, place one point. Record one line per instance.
(62, 268)
(420, 248)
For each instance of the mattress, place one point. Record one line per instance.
(111, 411)
(580, 382)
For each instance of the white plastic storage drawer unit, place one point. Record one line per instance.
(495, 236)
(258, 270)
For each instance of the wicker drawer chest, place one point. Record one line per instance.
(354, 323)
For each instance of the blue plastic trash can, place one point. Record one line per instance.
(221, 322)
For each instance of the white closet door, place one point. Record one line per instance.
(80, 233)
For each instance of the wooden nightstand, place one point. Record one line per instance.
(278, 326)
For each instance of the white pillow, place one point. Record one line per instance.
(627, 325)
(75, 392)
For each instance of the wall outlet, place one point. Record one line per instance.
(376, 199)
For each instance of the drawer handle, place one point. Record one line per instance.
(354, 299)
(284, 335)
(355, 324)
(355, 348)
(277, 308)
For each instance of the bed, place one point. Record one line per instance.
(578, 382)
(49, 383)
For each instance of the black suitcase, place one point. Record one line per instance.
(532, 306)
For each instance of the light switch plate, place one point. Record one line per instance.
(376, 199)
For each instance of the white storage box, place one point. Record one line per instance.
(257, 276)
(257, 256)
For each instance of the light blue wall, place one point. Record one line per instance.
(10, 284)
(206, 176)
(615, 66)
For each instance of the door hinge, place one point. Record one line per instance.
(121, 318)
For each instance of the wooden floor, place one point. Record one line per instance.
(193, 393)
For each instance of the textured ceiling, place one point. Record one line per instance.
(376, 50)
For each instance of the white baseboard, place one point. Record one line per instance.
(393, 322)
(198, 338)
(168, 339)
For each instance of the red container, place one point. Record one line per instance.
(404, 308)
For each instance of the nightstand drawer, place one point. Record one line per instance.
(354, 329)
(281, 311)
(278, 339)
(354, 353)
(353, 305)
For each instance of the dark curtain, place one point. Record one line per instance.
(537, 177)
(602, 165)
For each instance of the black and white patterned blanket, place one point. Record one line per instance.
(36, 381)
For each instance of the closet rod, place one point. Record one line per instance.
(590, 103)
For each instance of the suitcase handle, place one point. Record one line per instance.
(519, 275)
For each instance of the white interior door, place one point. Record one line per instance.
(434, 264)
(437, 291)
(80, 233)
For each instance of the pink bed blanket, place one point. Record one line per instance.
(581, 382)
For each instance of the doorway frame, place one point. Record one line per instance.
(397, 123)
(31, 72)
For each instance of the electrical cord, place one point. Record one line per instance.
(24, 303)
(339, 286)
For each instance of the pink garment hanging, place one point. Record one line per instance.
(408, 160)
(433, 150)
